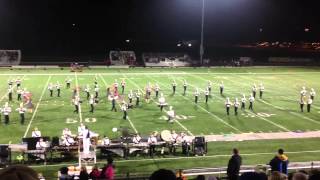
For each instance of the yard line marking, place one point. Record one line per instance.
(137, 86)
(213, 115)
(305, 117)
(249, 112)
(128, 118)
(78, 94)
(37, 106)
(189, 157)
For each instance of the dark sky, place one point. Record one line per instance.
(46, 26)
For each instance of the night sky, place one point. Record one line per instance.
(69, 27)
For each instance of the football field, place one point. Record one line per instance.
(277, 111)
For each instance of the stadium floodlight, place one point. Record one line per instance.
(189, 44)
(127, 40)
(179, 44)
(306, 29)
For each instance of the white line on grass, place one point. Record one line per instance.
(37, 106)
(213, 115)
(128, 118)
(188, 157)
(305, 117)
(182, 126)
(78, 94)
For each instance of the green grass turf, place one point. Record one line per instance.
(282, 85)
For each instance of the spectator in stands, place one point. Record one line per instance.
(276, 175)
(108, 170)
(280, 162)
(163, 174)
(314, 174)
(299, 176)
(64, 174)
(83, 173)
(95, 173)
(253, 176)
(201, 177)
(18, 172)
(234, 165)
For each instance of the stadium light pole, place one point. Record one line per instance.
(202, 26)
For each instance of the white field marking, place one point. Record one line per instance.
(23, 78)
(188, 157)
(37, 106)
(277, 107)
(213, 115)
(128, 118)
(271, 122)
(78, 94)
(182, 126)
(305, 117)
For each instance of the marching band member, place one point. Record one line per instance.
(162, 102)
(95, 80)
(236, 105)
(92, 103)
(303, 92)
(10, 90)
(123, 84)
(301, 104)
(81, 128)
(312, 94)
(76, 102)
(87, 90)
(152, 140)
(6, 110)
(174, 136)
(96, 90)
(21, 111)
(36, 132)
(206, 93)
(254, 90)
(174, 85)
(171, 114)
(113, 99)
(261, 90)
(10, 82)
(105, 141)
(157, 89)
(221, 87)
(41, 145)
(228, 104)
(130, 96)
(309, 102)
(19, 93)
(185, 84)
(196, 94)
(251, 100)
(115, 85)
(67, 137)
(148, 92)
(186, 143)
(243, 102)
(86, 135)
(68, 82)
(50, 88)
(136, 138)
(18, 82)
(124, 108)
(138, 94)
(58, 87)
(209, 86)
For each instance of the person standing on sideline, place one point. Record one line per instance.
(280, 162)
(185, 84)
(301, 104)
(58, 87)
(234, 165)
(221, 87)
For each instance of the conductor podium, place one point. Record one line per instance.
(199, 146)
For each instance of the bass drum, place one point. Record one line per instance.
(166, 135)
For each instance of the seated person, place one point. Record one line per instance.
(67, 137)
(136, 138)
(36, 133)
(41, 145)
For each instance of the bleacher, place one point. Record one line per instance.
(166, 59)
